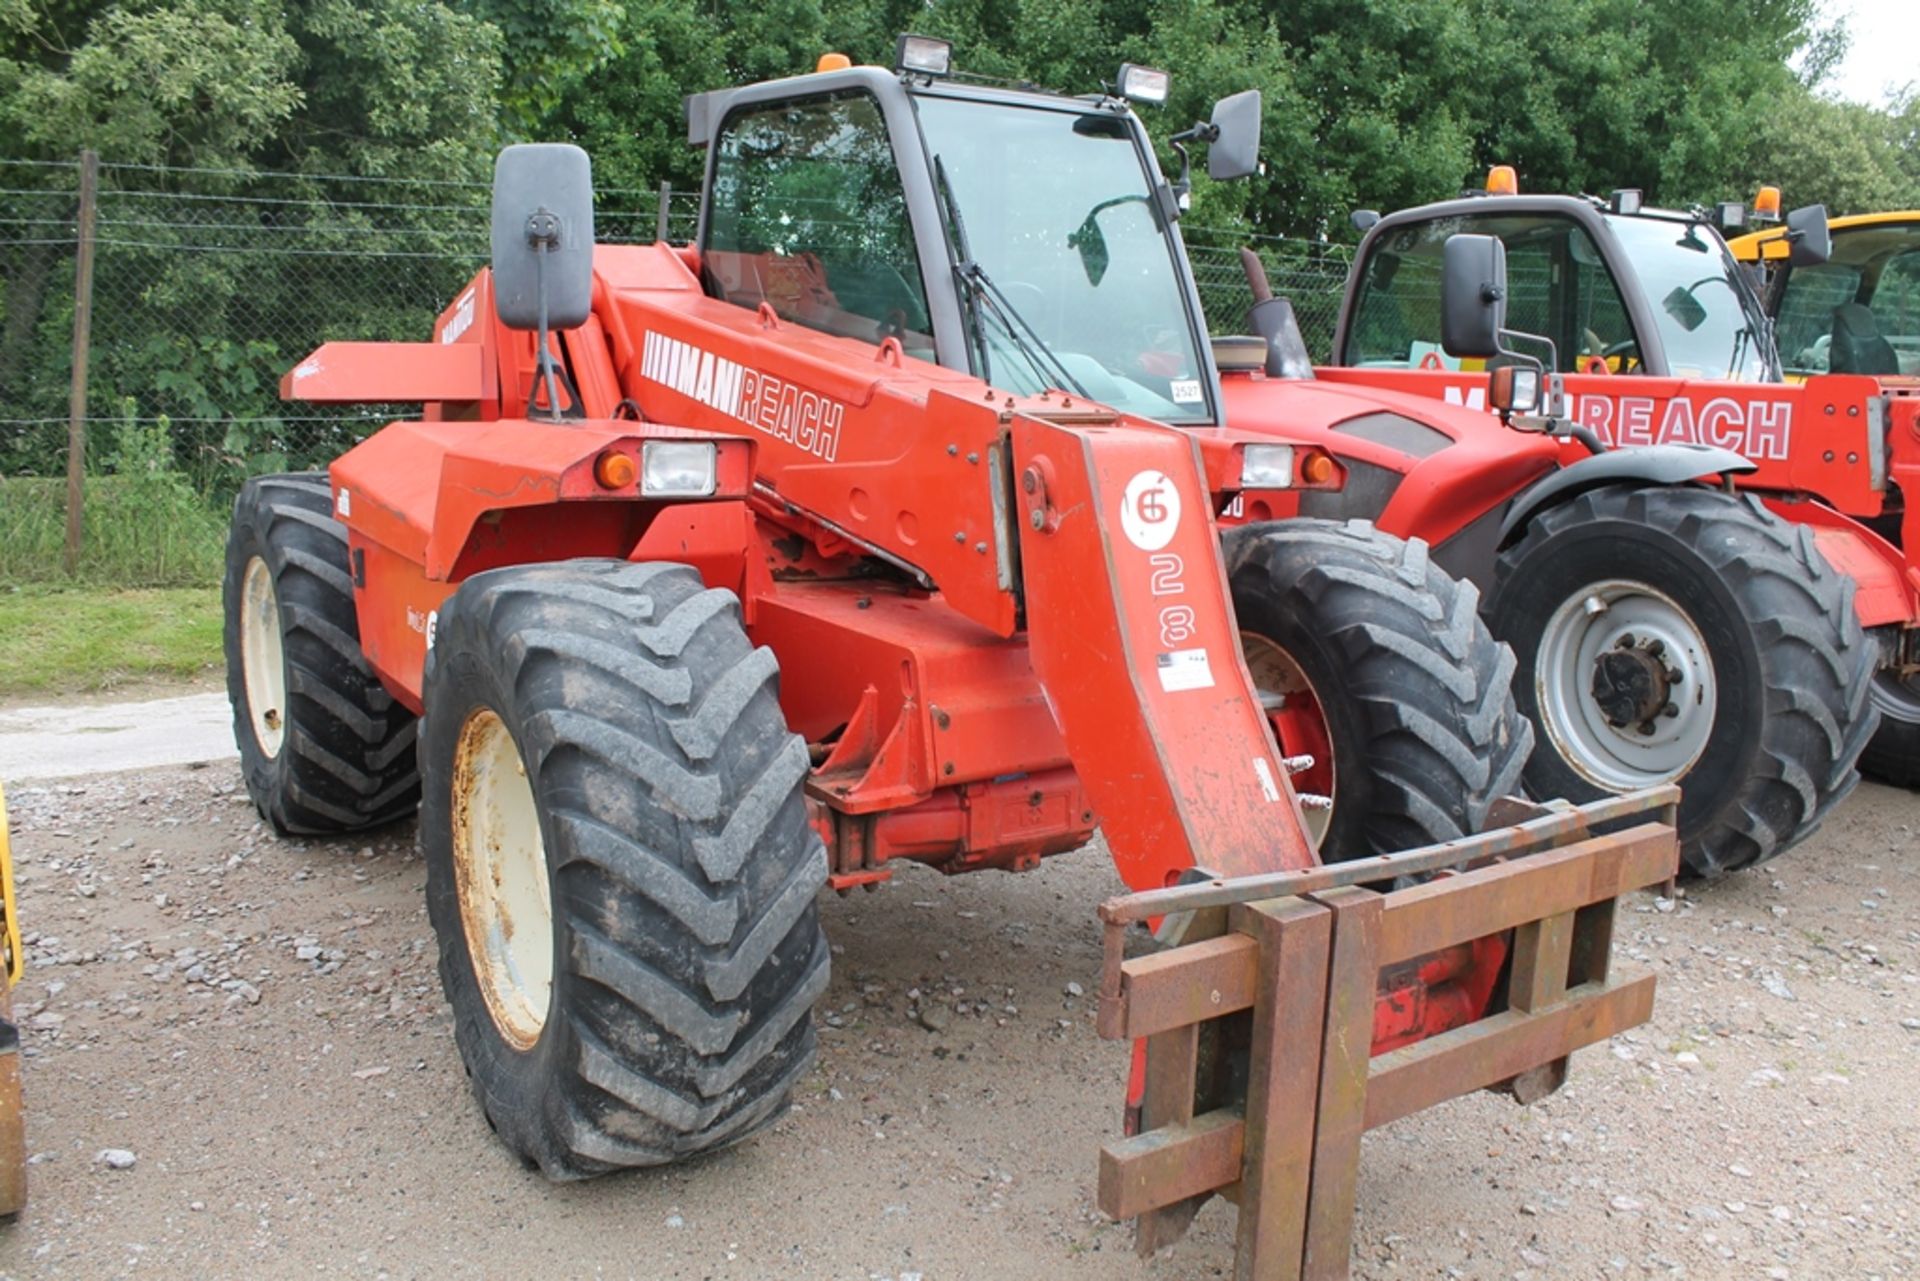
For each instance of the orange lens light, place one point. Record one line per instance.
(1766, 203)
(1503, 181)
(833, 62)
(1316, 469)
(615, 470)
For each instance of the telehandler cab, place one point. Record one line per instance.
(879, 524)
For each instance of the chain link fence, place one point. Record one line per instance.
(207, 285)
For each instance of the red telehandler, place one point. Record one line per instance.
(1699, 568)
(879, 524)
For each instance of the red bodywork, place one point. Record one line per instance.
(981, 656)
(1835, 453)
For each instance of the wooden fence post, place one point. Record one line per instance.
(82, 339)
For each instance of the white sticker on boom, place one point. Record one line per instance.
(1182, 669)
(1150, 510)
(1186, 391)
(343, 503)
(1268, 786)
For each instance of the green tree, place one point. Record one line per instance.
(1844, 155)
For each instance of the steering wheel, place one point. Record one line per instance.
(1626, 351)
(1024, 295)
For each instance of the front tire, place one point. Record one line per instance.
(1375, 662)
(1687, 635)
(620, 870)
(323, 746)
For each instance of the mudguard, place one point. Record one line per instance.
(1649, 464)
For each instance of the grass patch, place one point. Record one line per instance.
(143, 524)
(65, 640)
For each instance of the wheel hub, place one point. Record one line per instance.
(1298, 720)
(500, 875)
(263, 672)
(1625, 685)
(1632, 684)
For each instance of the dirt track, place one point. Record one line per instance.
(259, 1023)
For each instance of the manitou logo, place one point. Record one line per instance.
(769, 405)
(1757, 429)
(460, 321)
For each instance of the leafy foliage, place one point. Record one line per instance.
(256, 107)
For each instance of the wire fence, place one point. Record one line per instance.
(207, 285)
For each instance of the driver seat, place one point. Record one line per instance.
(1858, 347)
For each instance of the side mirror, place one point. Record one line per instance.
(1514, 389)
(1685, 309)
(1092, 245)
(542, 236)
(1235, 149)
(1808, 241)
(1364, 219)
(1473, 295)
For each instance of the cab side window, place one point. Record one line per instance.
(1803, 328)
(807, 214)
(1558, 287)
(1896, 308)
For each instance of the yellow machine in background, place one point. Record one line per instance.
(13, 1130)
(1859, 311)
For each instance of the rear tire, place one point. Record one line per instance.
(1772, 707)
(1893, 756)
(324, 748)
(666, 1008)
(1415, 695)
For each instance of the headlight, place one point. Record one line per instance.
(1266, 467)
(677, 468)
(1144, 84)
(923, 55)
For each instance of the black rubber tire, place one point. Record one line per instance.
(1416, 694)
(346, 760)
(682, 869)
(1893, 755)
(1792, 665)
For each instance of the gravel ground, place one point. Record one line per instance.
(239, 1064)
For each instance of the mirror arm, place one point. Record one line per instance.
(1183, 186)
(543, 234)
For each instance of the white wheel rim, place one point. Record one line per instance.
(263, 666)
(500, 874)
(1626, 619)
(1278, 678)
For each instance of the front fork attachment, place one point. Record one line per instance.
(1303, 1008)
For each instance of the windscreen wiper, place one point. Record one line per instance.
(962, 256)
(980, 289)
(1031, 345)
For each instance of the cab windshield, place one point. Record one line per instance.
(1067, 278)
(1709, 321)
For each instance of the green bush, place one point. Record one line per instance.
(144, 525)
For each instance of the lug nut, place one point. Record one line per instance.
(1296, 764)
(1670, 711)
(1646, 729)
(1674, 675)
(1626, 641)
(1656, 647)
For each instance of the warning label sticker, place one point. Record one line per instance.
(1182, 669)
